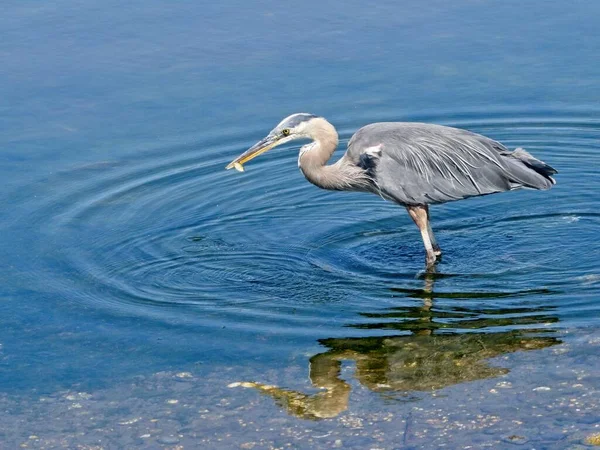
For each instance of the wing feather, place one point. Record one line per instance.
(426, 163)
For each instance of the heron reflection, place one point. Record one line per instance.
(425, 360)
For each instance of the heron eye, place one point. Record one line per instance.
(285, 132)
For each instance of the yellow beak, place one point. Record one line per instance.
(260, 147)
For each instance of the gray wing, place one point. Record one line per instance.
(416, 163)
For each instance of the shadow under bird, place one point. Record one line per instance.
(411, 164)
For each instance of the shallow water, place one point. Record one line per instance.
(128, 251)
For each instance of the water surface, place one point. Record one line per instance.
(128, 251)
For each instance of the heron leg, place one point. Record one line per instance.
(420, 215)
(436, 248)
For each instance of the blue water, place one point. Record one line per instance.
(127, 249)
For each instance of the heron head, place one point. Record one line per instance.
(296, 126)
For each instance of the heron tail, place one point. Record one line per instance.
(535, 164)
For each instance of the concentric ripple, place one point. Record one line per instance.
(170, 233)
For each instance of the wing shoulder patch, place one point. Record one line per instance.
(369, 158)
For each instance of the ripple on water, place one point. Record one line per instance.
(171, 233)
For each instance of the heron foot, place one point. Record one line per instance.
(433, 257)
(430, 259)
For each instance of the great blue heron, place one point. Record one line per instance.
(411, 164)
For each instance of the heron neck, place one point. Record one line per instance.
(314, 157)
(313, 161)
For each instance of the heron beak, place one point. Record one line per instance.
(260, 147)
